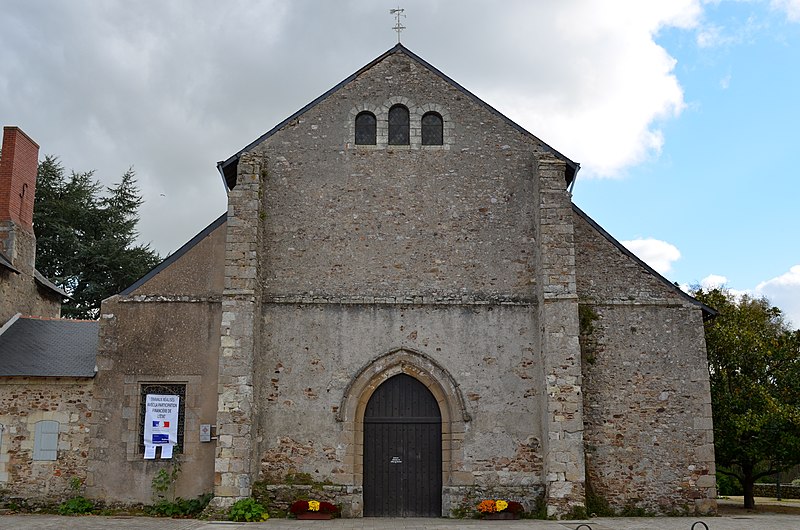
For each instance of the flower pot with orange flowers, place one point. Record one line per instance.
(499, 509)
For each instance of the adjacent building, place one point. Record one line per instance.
(47, 364)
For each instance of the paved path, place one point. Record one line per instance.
(741, 522)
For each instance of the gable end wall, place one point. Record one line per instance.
(647, 410)
(165, 331)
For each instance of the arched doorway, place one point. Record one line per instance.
(402, 451)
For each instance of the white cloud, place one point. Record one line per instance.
(790, 7)
(171, 88)
(658, 254)
(725, 82)
(713, 281)
(784, 292)
(598, 94)
(711, 35)
(716, 281)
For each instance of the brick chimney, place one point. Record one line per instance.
(19, 162)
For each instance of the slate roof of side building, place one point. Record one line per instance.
(5, 262)
(40, 347)
(37, 276)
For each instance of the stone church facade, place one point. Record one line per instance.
(403, 305)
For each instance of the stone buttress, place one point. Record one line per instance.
(562, 414)
(234, 463)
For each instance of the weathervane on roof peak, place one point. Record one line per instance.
(398, 27)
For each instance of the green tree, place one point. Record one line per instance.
(754, 367)
(85, 236)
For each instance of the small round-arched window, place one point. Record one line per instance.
(366, 128)
(432, 129)
(399, 126)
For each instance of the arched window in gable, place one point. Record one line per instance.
(366, 128)
(432, 129)
(399, 126)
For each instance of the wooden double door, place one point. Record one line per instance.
(402, 451)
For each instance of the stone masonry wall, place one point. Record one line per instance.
(648, 418)
(560, 352)
(151, 342)
(25, 401)
(788, 491)
(234, 464)
(19, 292)
(647, 404)
(451, 221)
(158, 335)
(310, 353)
(607, 275)
(366, 249)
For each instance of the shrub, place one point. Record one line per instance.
(248, 510)
(180, 507)
(597, 506)
(462, 512)
(577, 512)
(76, 506)
(163, 483)
(539, 510)
(727, 486)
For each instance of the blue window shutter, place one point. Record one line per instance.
(45, 440)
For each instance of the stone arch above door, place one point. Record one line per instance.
(435, 377)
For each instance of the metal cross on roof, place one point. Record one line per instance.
(398, 27)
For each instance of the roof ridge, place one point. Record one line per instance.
(709, 312)
(9, 323)
(227, 167)
(59, 319)
(171, 258)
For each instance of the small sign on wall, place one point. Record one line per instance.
(160, 424)
(205, 432)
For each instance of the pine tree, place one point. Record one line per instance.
(86, 240)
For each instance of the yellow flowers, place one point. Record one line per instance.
(512, 509)
(313, 506)
(490, 506)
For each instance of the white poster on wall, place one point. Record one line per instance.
(161, 419)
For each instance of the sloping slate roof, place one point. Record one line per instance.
(172, 258)
(49, 348)
(227, 168)
(47, 284)
(38, 276)
(708, 312)
(5, 262)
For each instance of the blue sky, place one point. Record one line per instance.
(682, 113)
(724, 187)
